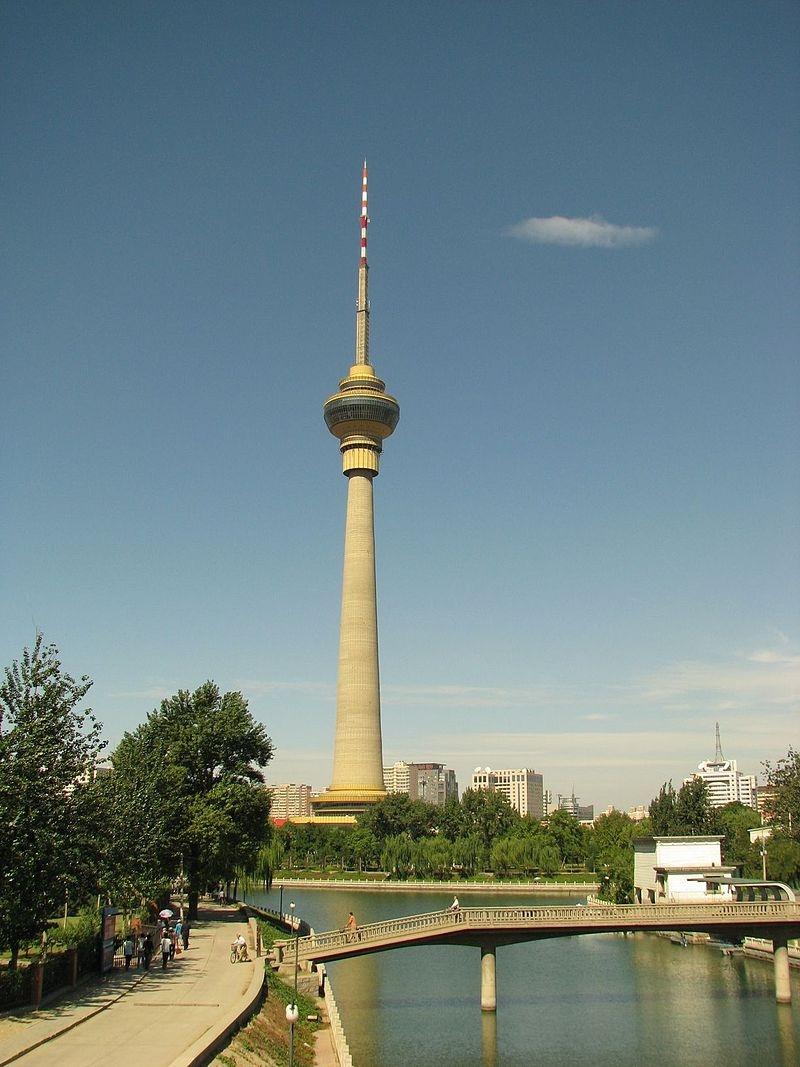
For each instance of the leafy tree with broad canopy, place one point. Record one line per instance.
(49, 745)
(197, 759)
(784, 777)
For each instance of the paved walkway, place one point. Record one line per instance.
(134, 1018)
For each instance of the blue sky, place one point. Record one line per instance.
(584, 279)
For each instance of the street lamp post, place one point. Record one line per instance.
(292, 1012)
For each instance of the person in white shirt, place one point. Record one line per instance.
(241, 949)
(166, 948)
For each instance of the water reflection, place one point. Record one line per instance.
(489, 1039)
(786, 1029)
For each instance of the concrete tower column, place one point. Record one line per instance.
(357, 759)
(783, 984)
(361, 415)
(488, 978)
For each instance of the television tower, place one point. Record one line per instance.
(360, 415)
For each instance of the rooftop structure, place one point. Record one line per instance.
(725, 783)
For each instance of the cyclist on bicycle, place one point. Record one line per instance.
(241, 949)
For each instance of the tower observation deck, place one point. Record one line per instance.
(361, 415)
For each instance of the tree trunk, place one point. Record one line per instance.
(12, 963)
(194, 897)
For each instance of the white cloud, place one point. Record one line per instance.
(760, 679)
(593, 232)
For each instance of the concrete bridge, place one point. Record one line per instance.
(486, 928)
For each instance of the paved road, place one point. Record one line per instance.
(143, 1019)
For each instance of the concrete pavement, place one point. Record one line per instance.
(134, 1017)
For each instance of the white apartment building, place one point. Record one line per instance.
(397, 778)
(725, 783)
(290, 801)
(522, 787)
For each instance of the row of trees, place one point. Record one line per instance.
(184, 802)
(482, 832)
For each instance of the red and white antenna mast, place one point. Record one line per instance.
(362, 304)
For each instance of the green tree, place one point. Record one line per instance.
(693, 812)
(784, 778)
(365, 847)
(737, 849)
(398, 814)
(397, 855)
(565, 830)
(450, 819)
(48, 746)
(206, 749)
(487, 815)
(433, 857)
(783, 859)
(663, 820)
(469, 855)
(612, 845)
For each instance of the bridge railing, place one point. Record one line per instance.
(621, 915)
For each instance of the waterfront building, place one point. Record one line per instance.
(360, 415)
(671, 870)
(432, 782)
(725, 783)
(290, 801)
(522, 787)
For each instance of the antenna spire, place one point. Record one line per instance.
(718, 757)
(362, 303)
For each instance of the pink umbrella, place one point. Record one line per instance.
(165, 913)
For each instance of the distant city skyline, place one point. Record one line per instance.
(584, 249)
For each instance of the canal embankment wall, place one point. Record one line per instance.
(529, 888)
(295, 925)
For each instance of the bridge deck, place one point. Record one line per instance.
(476, 926)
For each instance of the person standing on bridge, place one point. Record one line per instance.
(351, 927)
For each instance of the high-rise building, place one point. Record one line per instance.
(725, 783)
(397, 778)
(432, 782)
(522, 788)
(290, 800)
(361, 415)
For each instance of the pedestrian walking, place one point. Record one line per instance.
(173, 941)
(351, 927)
(185, 935)
(166, 945)
(127, 951)
(149, 948)
(141, 947)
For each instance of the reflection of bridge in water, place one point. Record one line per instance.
(486, 928)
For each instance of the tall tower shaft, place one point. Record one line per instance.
(361, 415)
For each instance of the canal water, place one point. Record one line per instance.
(605, 1000)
